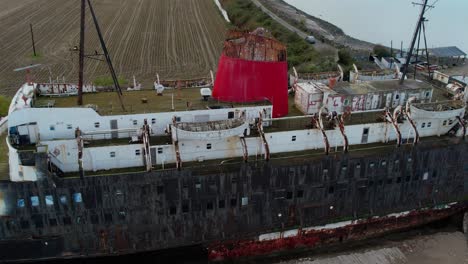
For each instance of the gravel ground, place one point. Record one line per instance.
(444, 247)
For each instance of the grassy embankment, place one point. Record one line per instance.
(302, 55)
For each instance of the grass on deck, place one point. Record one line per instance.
(4, 169)
(108, 102)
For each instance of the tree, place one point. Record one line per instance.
(345, 57)
(381, 51)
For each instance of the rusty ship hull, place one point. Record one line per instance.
(234, 209)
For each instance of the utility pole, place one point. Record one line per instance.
(33, 43)
(81, 51)
(106, 54)
(417, 33)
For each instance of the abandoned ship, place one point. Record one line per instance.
(248, 168)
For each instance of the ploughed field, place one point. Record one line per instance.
(179, 39)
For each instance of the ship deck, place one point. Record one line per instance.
(212, 166)
(144, 101)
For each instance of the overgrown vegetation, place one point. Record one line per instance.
(381, 51)
(107, 81)
(246, 16)
(4, 104)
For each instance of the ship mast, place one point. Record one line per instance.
(81, 51)
(416, 36)
(106, 55)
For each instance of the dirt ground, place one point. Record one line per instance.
(175, 38)
(444, 247)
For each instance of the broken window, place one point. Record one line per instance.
(35, 201)
(49, 200)
(77, 198)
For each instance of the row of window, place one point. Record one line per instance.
(244, 201)
(135, 122)
(98, 124)
(49, 200)
(113, 154)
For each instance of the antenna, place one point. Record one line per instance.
(416, 35)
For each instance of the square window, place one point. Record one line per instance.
(112, 154)
(153, 121)
(289, 195)
(172, 210)
(209, 206)
(233, 202)
(178, 119)
(425, 176)
(67, 220)
(52, 127)
(20, 203)
(245, 201)
(208, 146)
(49, 200)
(230, 115)
(185, 208)
(221, 204)
(69, 126)
(444, 123)
(384, 163)
(135, 122)
(160, 150)
(429, 124)
(77, 198)
(300, 194)
(137, 152)
(35, 201)
(293, 138)
(160, 189)
(450, 122)
(63, 199)
(423, 125)
(97, 125)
